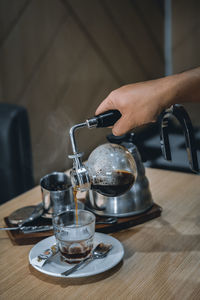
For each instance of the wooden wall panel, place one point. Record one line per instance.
(186, 43)
(10, 13)
(105, 37)
(27, 44)
(150, 14)
(60, 59)
(134, 32)
(186, 34)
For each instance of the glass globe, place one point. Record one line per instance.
(112, 170)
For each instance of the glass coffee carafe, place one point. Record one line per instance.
(111, 169)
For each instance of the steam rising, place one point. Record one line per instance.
(54, 144)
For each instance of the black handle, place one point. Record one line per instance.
(108, 118)
(182, 116)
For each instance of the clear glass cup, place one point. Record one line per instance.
(74, 232)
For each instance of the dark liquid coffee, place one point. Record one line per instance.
(57, 187)
(121, 183)
(75, 254)
(70, 257)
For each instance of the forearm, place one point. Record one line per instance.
(183, 87)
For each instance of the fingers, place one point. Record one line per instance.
(107, 104)
(121, 127)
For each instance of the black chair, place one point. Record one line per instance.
(16, 171)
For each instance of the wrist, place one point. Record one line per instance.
(173, 89)
(167, 92)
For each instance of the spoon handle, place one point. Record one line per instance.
(9, 228)
(29, 229)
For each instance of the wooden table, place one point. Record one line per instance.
(162, 257)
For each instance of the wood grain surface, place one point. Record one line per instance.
(162, 256)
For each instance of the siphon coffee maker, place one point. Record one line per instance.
(114, 175)
(110, 169)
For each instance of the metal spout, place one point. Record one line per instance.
(79, 174)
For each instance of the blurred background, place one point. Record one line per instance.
(60, 58)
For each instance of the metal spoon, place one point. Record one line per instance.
(100, 251)
(33, 228)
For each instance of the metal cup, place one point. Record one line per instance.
(57, 193)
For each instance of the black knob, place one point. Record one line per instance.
(108, 118)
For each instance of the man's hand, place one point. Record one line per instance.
(138, 103)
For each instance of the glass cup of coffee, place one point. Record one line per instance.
(74, 232)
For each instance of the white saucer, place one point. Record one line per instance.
(54, 267)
